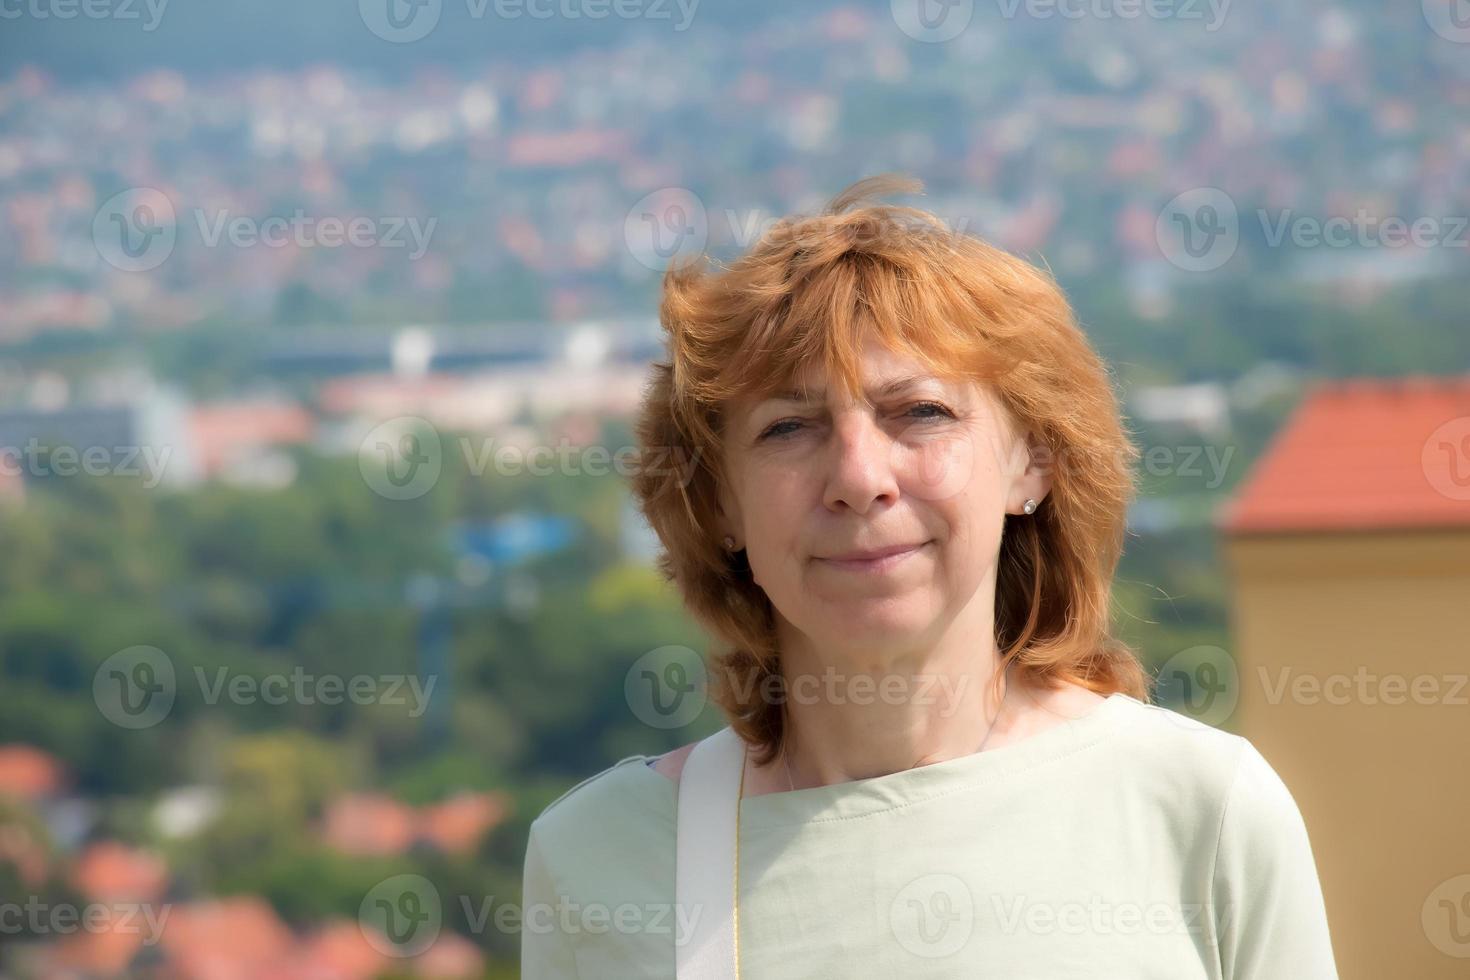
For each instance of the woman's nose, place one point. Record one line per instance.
(858, 463)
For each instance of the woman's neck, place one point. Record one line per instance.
(854, 715)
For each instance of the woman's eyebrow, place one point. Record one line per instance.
(887, 389)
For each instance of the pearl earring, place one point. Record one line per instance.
(1030, 505)
(729, 543)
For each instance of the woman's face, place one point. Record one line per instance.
(879, 520)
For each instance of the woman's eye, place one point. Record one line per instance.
(938, 410)
(779, 428)
(923, 411)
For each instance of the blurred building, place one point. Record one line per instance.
(238, 439)
(1349, 545)
(1203, 407)
(141, 433)
(476, 380)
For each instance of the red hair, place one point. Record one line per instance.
(805, 296)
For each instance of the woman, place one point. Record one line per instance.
(910, 507)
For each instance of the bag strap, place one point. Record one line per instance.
(704, 856)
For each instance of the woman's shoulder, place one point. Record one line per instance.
(1159, 736)
(628, 791)
(603, 843)
(1197, 766)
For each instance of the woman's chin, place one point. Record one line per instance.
(871, 621)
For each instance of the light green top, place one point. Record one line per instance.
(1131, 842)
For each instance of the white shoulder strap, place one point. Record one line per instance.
(704, 856)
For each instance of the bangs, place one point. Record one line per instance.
(819, 328)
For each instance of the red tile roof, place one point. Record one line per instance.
(110, 871)
(456, 825)
(368, 824)
(451, 957)
(221, 430)
(337, 951)
(110, 941)
(377, 824)
(386, 394)
(238, 938)
(29, 773)
(1364, 454)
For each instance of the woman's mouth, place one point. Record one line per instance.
(874, 561)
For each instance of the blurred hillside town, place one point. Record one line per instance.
(242, 935)
(502, 191)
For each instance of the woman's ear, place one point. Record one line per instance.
(1033, 479)
(727, 517)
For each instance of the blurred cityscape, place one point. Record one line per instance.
(318, 361)
(500, 190)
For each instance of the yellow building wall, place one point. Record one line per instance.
(1329, 630)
